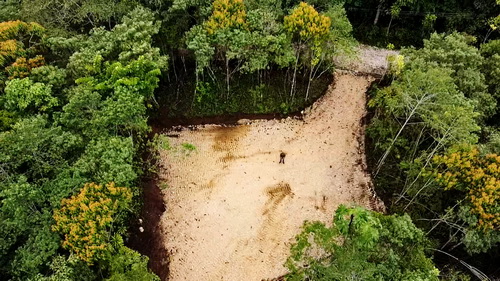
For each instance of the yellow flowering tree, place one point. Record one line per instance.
(19, 43)
(226, 24)
(310, 31)
(12, 37)
(478, 176)
(307, 23)
(22, 67)
(227, 14)
(86, 220)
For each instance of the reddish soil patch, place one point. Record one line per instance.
(150, 242)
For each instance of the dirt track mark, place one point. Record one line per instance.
(276, 194)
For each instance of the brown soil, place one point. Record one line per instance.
(150, 242)
(232, 210)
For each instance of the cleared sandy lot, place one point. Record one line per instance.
(232, 210)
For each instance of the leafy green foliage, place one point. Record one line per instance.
(111, 96)
(67, 269)
(64, 15)
(48, 150)
(125, 43)
(32, 153)
(9, 10)
(440, 97)
(128, 265)
(20, 225)
(361, 245)
(90, 132)
(49, 75)
(455, 53)
(25, 96)
(491, 66)
(109, 160)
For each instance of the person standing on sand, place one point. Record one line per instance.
(282, 157)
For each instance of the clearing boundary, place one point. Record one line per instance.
(232, 210)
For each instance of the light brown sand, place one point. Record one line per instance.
(232, 210)
(371, 60)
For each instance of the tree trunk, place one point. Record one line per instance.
(294, 78)
(309, 83)
(379, 9)
(227, 77)
(382, 159)
(195, 85)
(389, 27)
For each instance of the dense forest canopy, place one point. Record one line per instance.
(79, 81)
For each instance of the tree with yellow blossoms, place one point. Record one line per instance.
(308, 24)
(17, 39)
(22, 67)
(227, 14)
(86, 220)
(310, 31)
(478, 178)
(227, 22)
(19, 44)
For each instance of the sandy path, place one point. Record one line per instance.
(232, 210)
(370, 60)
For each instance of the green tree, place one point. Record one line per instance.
(427, 104)
(66, 16)
(32, 154)
(27, 242)
(491, 66)
(9, 10)
(125, 43)
(455, 52)
(49, 149)
(361, 245)
(128, 265)
(116, 73)
(109, 160)
(67, 269)
(24, 96)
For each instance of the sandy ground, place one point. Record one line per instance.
(370, 60)
(233, 210)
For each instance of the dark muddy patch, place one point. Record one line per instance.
(167, 124)
(150, 242)
(227, 138)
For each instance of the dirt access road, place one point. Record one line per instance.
(232, 210)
